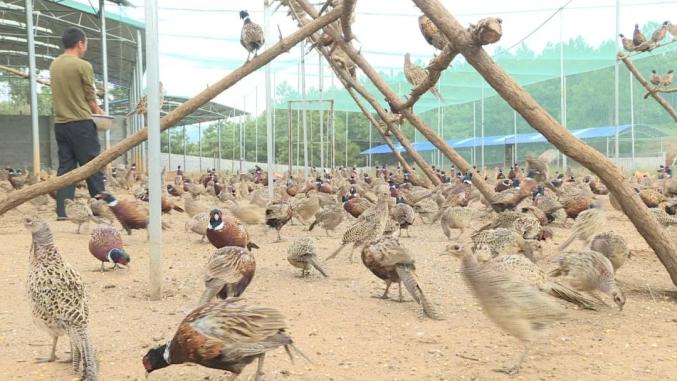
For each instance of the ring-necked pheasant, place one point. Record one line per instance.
(277, 215)
(58, 300)
(390, 261)
(225, 335)
(229, 271)
(227, 231)
(302, 254)
(105, 244)
(514, 305)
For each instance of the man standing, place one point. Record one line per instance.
(74, 100)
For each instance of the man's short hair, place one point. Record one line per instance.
(72, 36)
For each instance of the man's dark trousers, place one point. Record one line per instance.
(78, 144)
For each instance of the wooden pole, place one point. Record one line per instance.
(349, 83)
(396, 104)
(539, 119)
(653, 92)
(18, 197)
(348, 9)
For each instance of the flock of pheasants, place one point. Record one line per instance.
(500, 266)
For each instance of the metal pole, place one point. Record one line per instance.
(35, 127)
(562, 84)
(240, 143)
(321, 80)
(346, 139)
(482, 129)
(474, 133)
(333, 134)
(218, 139)
(632, 120)
(304, 105)
(169, 149)
(370, 162)
(269, 105)
(256, 125)
(139, 90)
(244, 131)
(441, 134)
(289, 143)
(199, 144)
(154, 181)
(104, 62)
(514, 131)
(232, 146)
(616, 81)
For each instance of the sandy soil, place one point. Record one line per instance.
(348, 334)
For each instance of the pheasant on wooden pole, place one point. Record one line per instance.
(18, 197)
(539, 119)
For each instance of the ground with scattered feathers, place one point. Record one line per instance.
(346, 332)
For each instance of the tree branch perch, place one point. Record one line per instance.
(651, 91)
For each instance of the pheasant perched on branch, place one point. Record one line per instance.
(229, 271)
(226, 335)
(659, 34)
(515, 305)
(302, 254)
(58, 300)
(142, 107)
(431, 34)
(251, 36)
(416, 75)
(627, 43)
(390, 261)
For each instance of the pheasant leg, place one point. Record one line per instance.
(103, 269)
(259, 368)
(399, 288)
(52, 354)
(385, 293)
(279, 238)
(515, 370)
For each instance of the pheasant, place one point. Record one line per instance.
(501, 241)
(663, 217)
(227, 231)
(251, 36)
(329, 219)
(586, 225)
(198, 225)
(355, 206)
(79, 213)
(390, 261)
(141, 108)
(651, 197)
(514, 305)
(655, 79)
(638, 37)
(589, 271)
(403, 214)
(368, 227)
(193, 206)
(277, 215)
(416, 75)
(105, 244)
(510, 198)
(225, 335)
(302, 254)
(457, 218)
(101, 210)
(129, 214)
(659, 34)
(229, 271)
(537, 168)
(611, 245)
(431, 34)
(627, 43)
(58, 300)
(523, 269)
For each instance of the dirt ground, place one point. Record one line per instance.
(346, 332)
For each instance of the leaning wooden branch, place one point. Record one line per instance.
(350, 83)
(640, 78)
(435, 68)
(21, 74)
(520, 100)
(18, 197)
(395, 103)
(348, 9)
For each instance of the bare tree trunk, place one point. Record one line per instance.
(539, 119)
(20, 196)
(396, 104)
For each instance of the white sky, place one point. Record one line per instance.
(199, 39)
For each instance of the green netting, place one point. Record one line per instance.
(462, 84)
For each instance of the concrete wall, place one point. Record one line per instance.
(16, 141)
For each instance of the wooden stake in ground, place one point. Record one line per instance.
(18, 197)
(653, 92)
(520, 100)
(396, 104)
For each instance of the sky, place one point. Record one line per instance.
(199, 40)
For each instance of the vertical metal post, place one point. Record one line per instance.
(346, 139)
(562, 83)
(184, 148)
(244, 130)
(616, 82)
(199, 144)
(269, 105)
(104, 62)
(218, 141)
(441, 135)
(289, 134)
(304, 105)
(474, 133)
(632, 120)
(333, 134)
(256, 124)
(169, 149)
(240, 143)
(139, 89)
(482, 130)
(35, 127)
(321, 84)
(514, 132)
(154, 183)
(371, 164)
